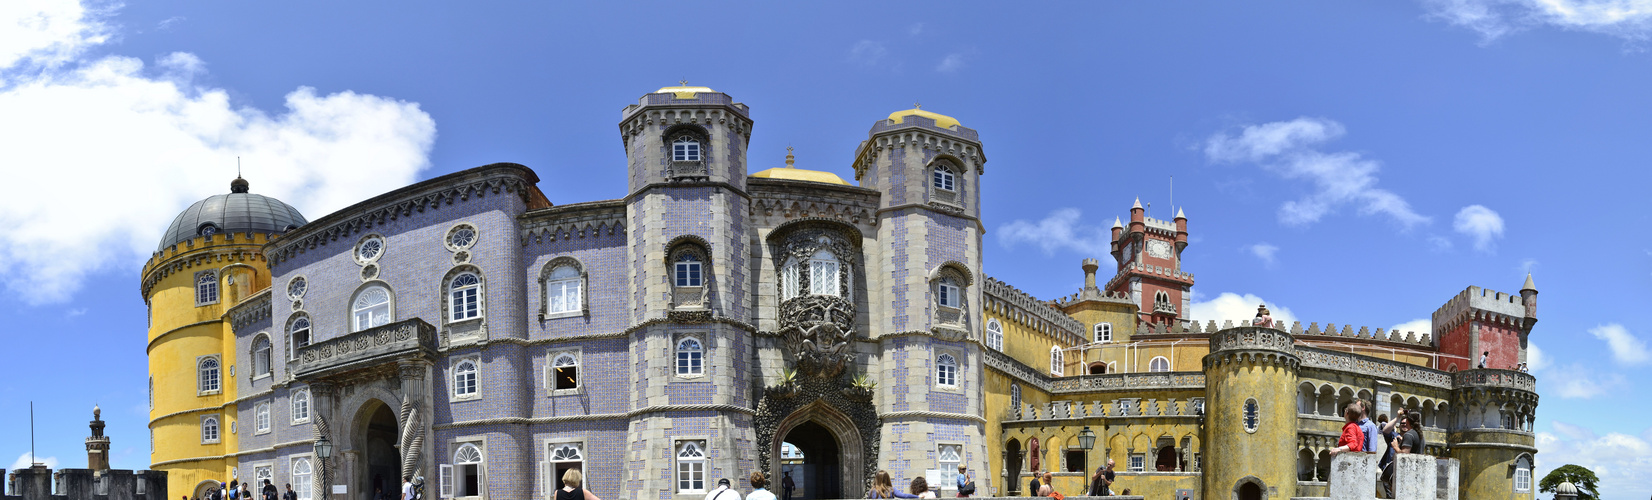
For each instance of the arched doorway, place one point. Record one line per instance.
(1098, 368)
(820, 474)
(381, 463)
(833, 455)
(1012, 466)
(203, 488)
(1249, 488)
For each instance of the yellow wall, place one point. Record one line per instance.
(179, 334)
(1025, 343)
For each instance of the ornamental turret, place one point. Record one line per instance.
(97, 446)
(1149, 256)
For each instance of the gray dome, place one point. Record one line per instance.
(1565, 488)
(236, 212)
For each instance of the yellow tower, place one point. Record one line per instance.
(208, 261)
(1250, 419)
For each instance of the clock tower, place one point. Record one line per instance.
(1149, 256)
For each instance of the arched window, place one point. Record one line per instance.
(688, 270)
(464, 299)
(1056, 365)
(1253, 415)
(1015, 396)
(1104, 332)
(823, 274)
(209, 429)
(1161, 298)
(468, 461)
(947, 293)
(209, 375)
(563, 290)
(1523, 475)
(690, 357)
(1158, 364)
(995, 335)
(691, 467)
(946, 371)
(464, 378)
(301, 406)
(299, 332)
(685, 148)
(565, 371)
(206, 288)
(303, 478)
(261, 418)
(261, 365)
(371, 308)
(944, 178)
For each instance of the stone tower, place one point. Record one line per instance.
(1480, 322)
(1149, 256)
(1251, 415)
(97, 446)
(689, 241)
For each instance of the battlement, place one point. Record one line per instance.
(1482, 300)
(1053, 318)
(1161, 225)
(37, 483)
(198, 243)
(1101, 295)
(1192, 327)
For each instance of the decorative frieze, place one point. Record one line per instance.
(1390, 370)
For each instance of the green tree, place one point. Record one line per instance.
(1583, 479)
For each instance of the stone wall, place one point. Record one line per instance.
(40, 483)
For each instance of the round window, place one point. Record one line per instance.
(370, 248)
(297, 287)
(461, 237)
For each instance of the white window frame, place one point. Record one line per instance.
(995, 335)
(207, 291)
(1138, 462)
(464, 302)
(946, 371)
(791, 276)
(383, 246)
(304, 324)
(458, 384)
(688, 271)
(357, 308)
(265, 356)
(1104, 332)
(212, 428)
(824, 277)
(259, 474)
(564, 295)
(298, 397)
(948, 465)
(1522, 475)
(261, 418)
(947, 293)
(690, 466)
(686, 148)
(453, 480)
(1154, 366)
(305, 488)
(694, 358)
(202, 374)
(943, 178)
(1058, 365)
(552, 367)
(553, 481)
(1248, 418)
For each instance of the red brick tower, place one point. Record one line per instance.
(1485, 322)
(1149, 256)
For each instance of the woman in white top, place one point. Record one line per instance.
(757, 484)
(920, 487)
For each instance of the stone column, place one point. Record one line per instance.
(321, 418)
(415, 387)
(1414, 477)
(1354, 476)
(1447, 474)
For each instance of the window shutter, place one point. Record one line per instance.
(446, 480)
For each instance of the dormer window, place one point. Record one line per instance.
(685, 148)
(688, 270)
(944, 178)
(948, 294)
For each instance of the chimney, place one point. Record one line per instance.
(1090, 266)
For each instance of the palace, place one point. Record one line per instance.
(468, 330)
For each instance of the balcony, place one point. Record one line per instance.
(1164, 308)
(407, 339)
(1501, 379)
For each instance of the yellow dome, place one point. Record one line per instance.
(941, 120)
(789, 172)
(683, 91)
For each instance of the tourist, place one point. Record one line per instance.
(758, 482)
(572, 488)
(1411, 437)
(1385, 466)
(1126, 492)
(1373, 440)
(1105, 483)
(966, 485)
(787, 485)
(1483, 356)
(882, 487)
(1049, 483)
(1353, 439)
(920, 488)
(290, 494)
(268, 492)
(246, 491)
(1032, 486)
(723, 491)
(234, 492)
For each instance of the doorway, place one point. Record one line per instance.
(820, 476)
(1012, 465)
(382, 463)
(1250, 491)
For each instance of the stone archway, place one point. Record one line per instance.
(204, 487)
(375, 436)
(832, 443)
(1250, 488)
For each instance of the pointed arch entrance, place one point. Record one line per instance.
(833, 451)
(377, 434)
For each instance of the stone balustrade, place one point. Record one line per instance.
(1502, 379)
(1118, 408)
(409, 338)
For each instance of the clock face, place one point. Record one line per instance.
(1158, 248)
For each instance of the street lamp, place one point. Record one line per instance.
(323, 448)
(1086, 438)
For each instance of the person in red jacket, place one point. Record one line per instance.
(1353, 439)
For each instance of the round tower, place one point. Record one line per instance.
(208, 260)
(1250, 415)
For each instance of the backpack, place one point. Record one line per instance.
(968, 489)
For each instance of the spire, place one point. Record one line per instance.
(1179, 214)
(1116, 224)
(1529, 285)
(238, 185)
(789, 157)
(1138, 203)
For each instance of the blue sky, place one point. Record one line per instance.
(1348, 162)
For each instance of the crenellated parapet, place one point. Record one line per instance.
(704, 108)
(214, 251)
(1251, 344)
(1019, 306)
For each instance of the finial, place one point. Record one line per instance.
(682, 82)
(789, 157)
(1529, 285)
(915, 105)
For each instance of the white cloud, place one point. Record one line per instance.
(111, 129)
(47, 32)
(1236, 307)
(1061, 230)
(1420, 326)
(1262, 251)
(1481, 223)
(1630, 20)
(1536, 359)
(867, 52)
(1626, 348)
(1439, 243)
(169, 22)
(1527, 265)
(22, 462)
(951, 63)
(1338, 179)
(1622, 461)
(1578, 382)
(915, 29)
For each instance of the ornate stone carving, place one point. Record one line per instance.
(783, 401)
(817, 328)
